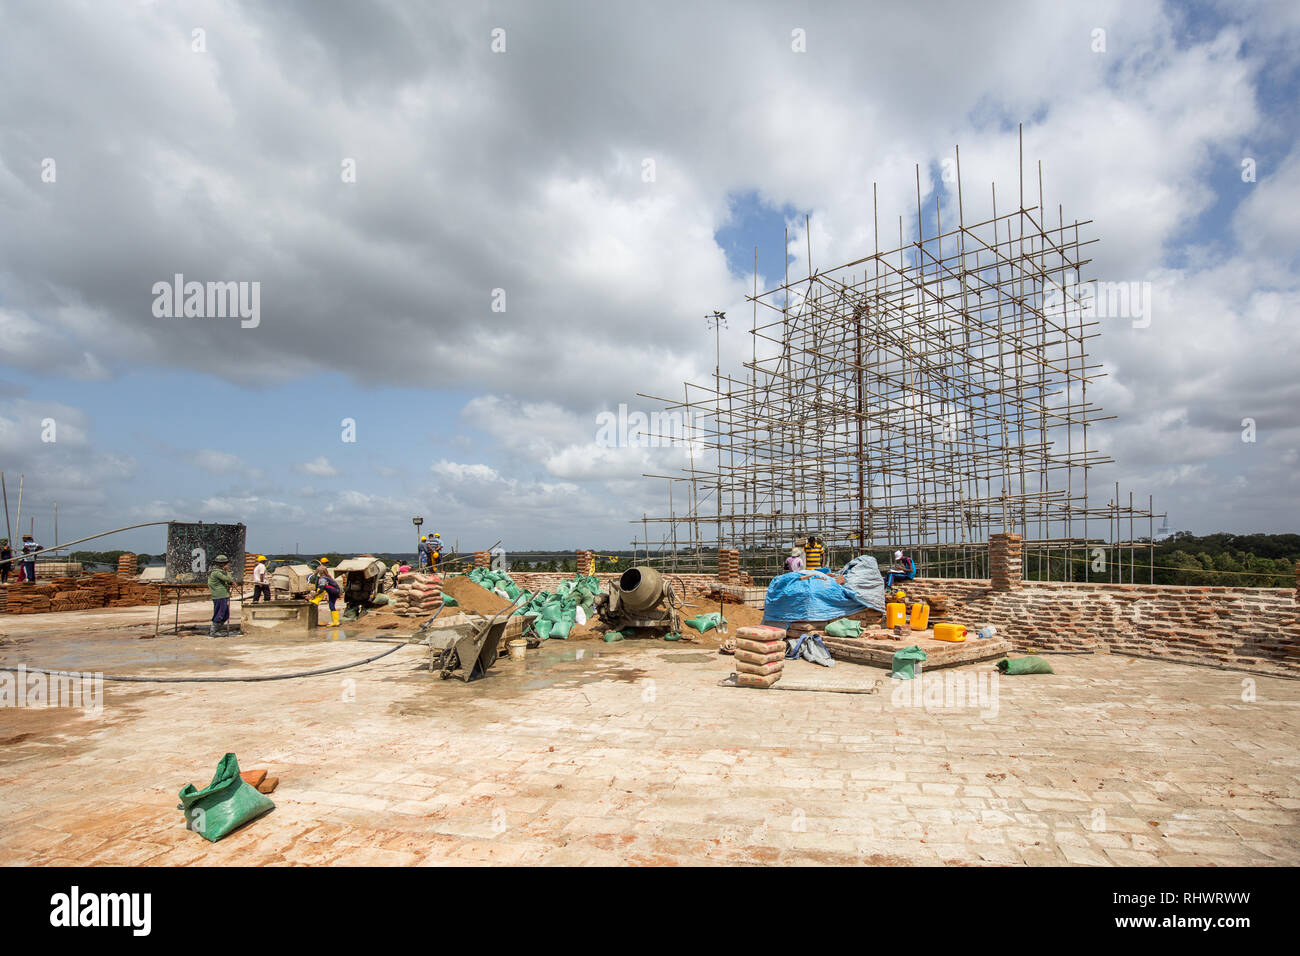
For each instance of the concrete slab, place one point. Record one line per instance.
(284, 618)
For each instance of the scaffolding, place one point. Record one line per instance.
(921, 398)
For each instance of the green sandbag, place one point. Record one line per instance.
(706, 622)
(543, 628)
(449, 601)
(560, 629)
(672, 636)
(903, 665)
(224, 805)
(612, 636)
(844, 627)
(1024, 665)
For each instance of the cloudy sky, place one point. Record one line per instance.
(475, 228)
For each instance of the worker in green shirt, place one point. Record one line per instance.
(219, 582)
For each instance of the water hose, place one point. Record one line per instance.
(209, 680)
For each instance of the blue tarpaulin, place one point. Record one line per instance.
(807, 596)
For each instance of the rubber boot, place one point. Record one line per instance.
(334, 618)
(212, 629)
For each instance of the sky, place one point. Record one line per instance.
(476, 229)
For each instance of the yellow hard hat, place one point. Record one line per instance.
(261, 557)
(437, 535)
(324, 560)
(424, 537)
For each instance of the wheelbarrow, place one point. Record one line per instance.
(465, 647)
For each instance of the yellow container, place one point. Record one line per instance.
(895, 615)
(920, 616)
(944, 631)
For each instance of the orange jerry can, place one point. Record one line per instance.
(920, 616)
(944, 631)
(895, 615)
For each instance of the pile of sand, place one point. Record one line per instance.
(471, 598)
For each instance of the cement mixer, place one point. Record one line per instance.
(640, 598)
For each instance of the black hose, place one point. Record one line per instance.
(211, 680)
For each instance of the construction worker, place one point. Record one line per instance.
(422, 559)
(6, 560)
(435, 551)
(30, 547)
(795, 561)
(904, 569)
(814, 553)
(219, 582)
(261, 584)
(326, 587)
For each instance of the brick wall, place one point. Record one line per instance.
(550, 580)
(1251, 628)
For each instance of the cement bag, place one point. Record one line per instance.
(1013, 666)
(224, 805)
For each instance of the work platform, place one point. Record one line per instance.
(878, 647)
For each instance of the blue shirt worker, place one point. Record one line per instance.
(327, 587)
(30, 547)
(904, 569)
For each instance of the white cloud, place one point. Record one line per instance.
(524, 172)
(318, 467)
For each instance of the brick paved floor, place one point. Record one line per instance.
(632, 754)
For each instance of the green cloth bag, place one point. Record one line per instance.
(612, 636)
(1024, 665)
(844, 627)
(706, 622)
(561, 628)
(903, 665)
(449, 601)
(224, 805)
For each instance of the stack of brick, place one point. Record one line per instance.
(728, 565)
(416, 594)
(1006, 561)
(93, 591)
(30, 598)
(482, 559)
(760, 656)
(53, 569)
(126, 566)
(250, 562)
(586, 562)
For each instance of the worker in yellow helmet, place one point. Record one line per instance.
(435, 551)
(327, 587)
(261, 583)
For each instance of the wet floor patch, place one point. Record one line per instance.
(551, 666)
(691, 657)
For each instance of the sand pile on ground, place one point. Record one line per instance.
(471, 598)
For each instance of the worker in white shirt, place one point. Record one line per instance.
(261, 583)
